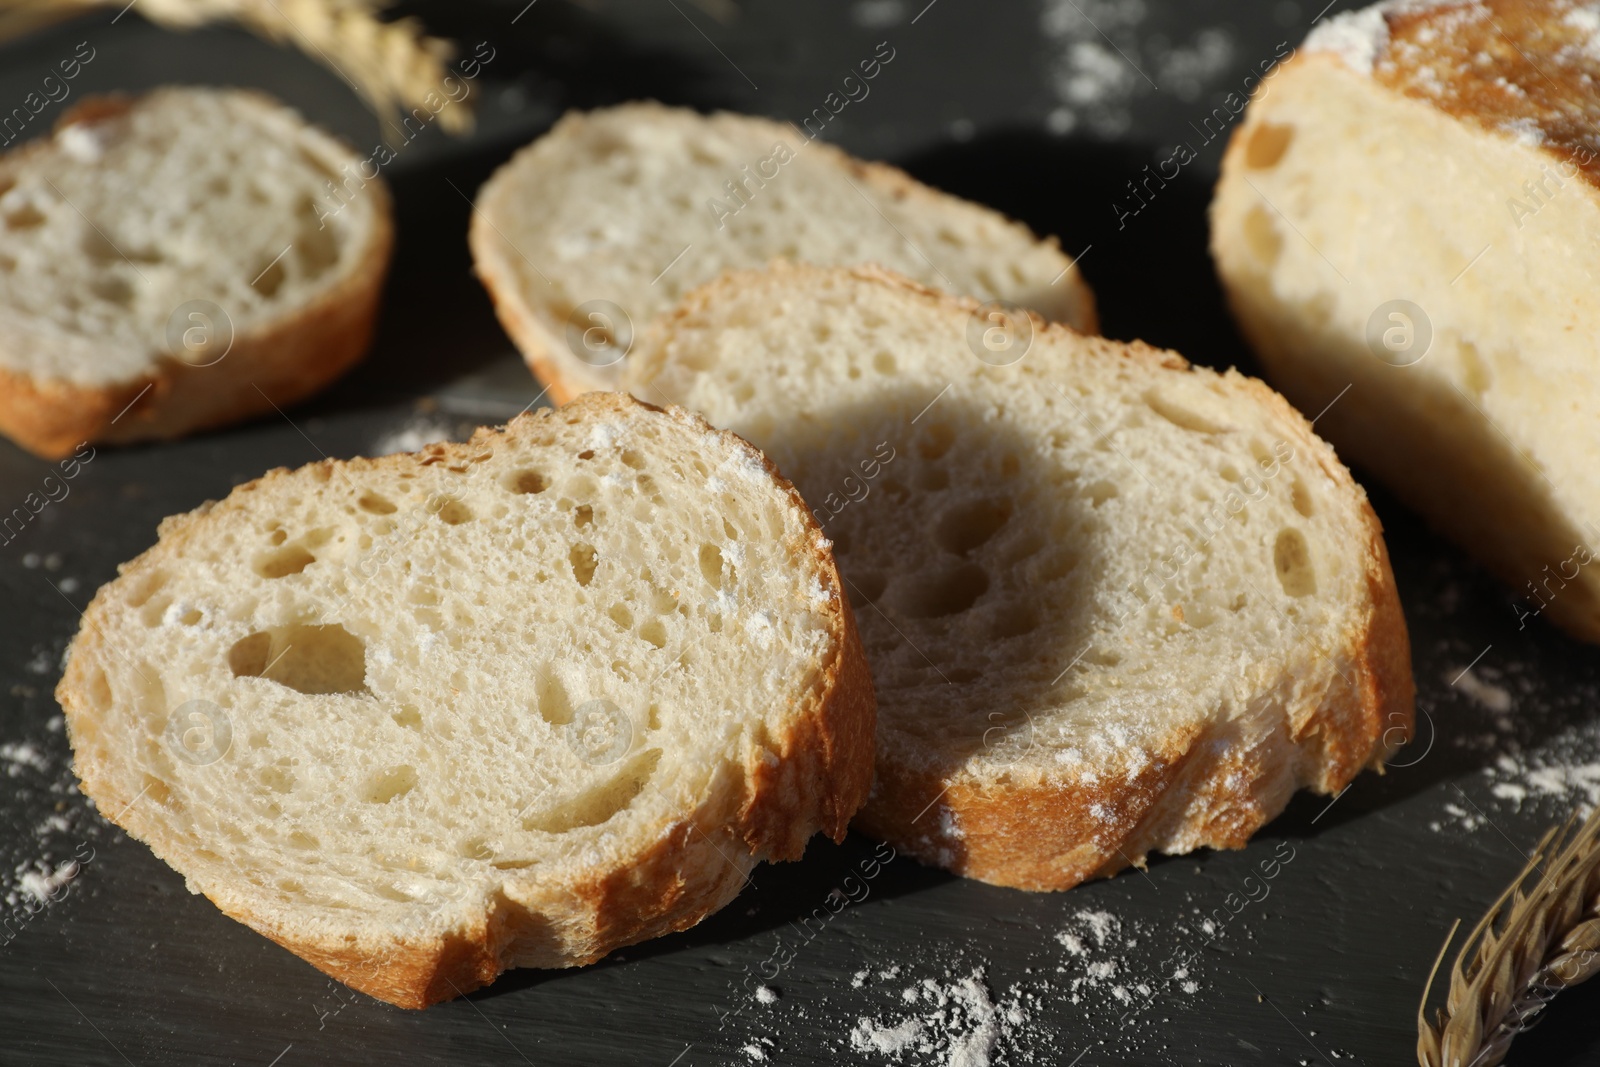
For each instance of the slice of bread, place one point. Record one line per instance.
(607, 220)
(178, 261)
(1410, 212)
(514, 702)
(1113, 604)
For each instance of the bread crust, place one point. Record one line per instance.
(690, 868)
(538, 336)
(1210, 787)
(277, 365)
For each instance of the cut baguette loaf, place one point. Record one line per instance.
(635, 205)
(178, 261)
(1410, 212)
(514, 702)
(1113, 604)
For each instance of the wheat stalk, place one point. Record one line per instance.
(1533, 943)
(391, 65)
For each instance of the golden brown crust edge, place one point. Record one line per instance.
(537, 338)
(291, 360)
(694, 867)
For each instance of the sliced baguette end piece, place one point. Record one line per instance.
(581, 179)
(277, 357)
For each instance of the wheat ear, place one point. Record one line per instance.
(1531, 944)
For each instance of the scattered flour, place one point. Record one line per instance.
(419, 432)
(956, 1022)
(1496, 698)
(41, 863)
(1102, 64)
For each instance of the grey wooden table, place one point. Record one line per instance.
(1047, 112)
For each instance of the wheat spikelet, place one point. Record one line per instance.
(392, 65)
(1533, 943)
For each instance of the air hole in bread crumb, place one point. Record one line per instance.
(936, 440)
(190, 617)
(408, 717)
(155, 610)
(451, 511)
(26, 217)
(1301, 496)
(555, 706)
(1291, 558)
(389, 785)
(600, 804)
(157, 791)
(587, 453)
(583, 516)
(1267, 144)
(475, 848)
(620, 615)
(584, 561)
(269, 278)
(1101, 491)
(100, 691)
(113, 290)
(711, 565)
(1475, 372)
(313, 660)
(884, 363)
(1180, 415)
(278, 777)
(1014, 621)
(301, 839)
(316, 249)
(655, 632)
(932, 479)
(1261, 234)
(277, 536)
(282, 562)
(527, 481)
(970, 524)
(945, 593)
(376, 503)
(146, 587)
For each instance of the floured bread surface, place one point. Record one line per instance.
(1409, 221)
(1113, 604)
(626, 209)
(189, 240)
(516, 702)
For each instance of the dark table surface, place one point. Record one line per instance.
(1047, 111)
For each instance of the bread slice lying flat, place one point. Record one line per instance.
(177, 261)
(1113, 604)
(515, 702)
(1445, 155)
(636, 205)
